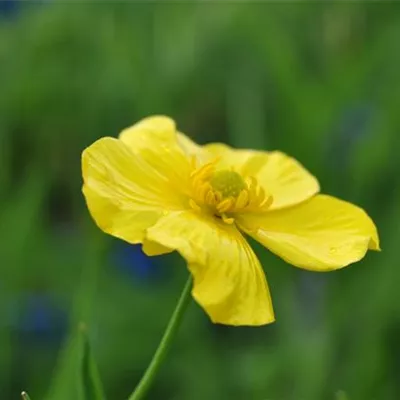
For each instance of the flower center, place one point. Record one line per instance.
(228, 183)
(226, 192)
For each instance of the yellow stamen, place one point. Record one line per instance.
(210, 198)
(260, 194)
(225, 205)
(227, 220)
(226, 192)
(242, 199)
(194, 205)
(203, 172)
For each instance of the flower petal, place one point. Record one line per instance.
(190, 147)
(280, 175)
(321, 234)
(125, 195)
(158, 130)
(154, 249)
(229, 282)
(156, 140)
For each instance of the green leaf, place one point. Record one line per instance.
(340, 395)
(92, 386)
(77, 376)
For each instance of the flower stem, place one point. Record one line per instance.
(165, 343)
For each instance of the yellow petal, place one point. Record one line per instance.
(152, 131)
(229, 282)
(155, 139)
(197, 154)
(321, 234)
(280, 175)
(124, 194)
(229, 156)
(158, 131)
(190, 147)
(154, 249)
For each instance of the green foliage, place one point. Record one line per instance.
(77, 376)
(341, 395)
(320, 81)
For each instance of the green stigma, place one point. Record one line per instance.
(228, 183)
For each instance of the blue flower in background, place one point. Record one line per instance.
(36, 318)
(131, 259)
(8, 7)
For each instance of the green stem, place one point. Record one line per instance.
(165, 343)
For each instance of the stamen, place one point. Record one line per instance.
(202, 191)
(267, 202)
(194, 205)
(225, 205)
(218, 197)
(210, 198)
(252, 187)
(226, 192)
(242, 199)
(260, 194)
(203, 172)
(227, 220)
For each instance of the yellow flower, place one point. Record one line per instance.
(155, 186)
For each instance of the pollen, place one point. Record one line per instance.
(228, 183)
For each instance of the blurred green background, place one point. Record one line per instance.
(319, 81)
